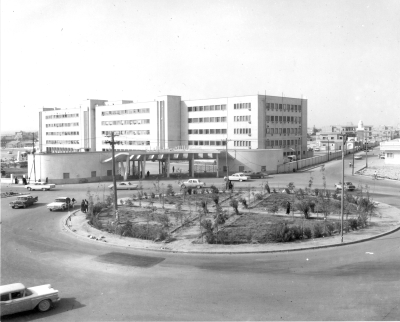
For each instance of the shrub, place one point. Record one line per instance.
(307, 232)
(296, 232)
(234, 204)
(258, 196)
(274, 207)
(164, 220)
(214, 189)
(283, 233)
(362, 220)
(303, 205)
(244, 202)
(317, 230)
(215, 198)
(316, 191)
(170, 190)
(329, 229)
(83, 180)
(129, 202)
(152, 195)
(353, 223)
(162, 235)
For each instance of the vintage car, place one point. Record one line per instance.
(347, 186)
(255, 175)
(18, 298)
(59, 204)
(40, 186)
(193, 183)
(23, 201)
(357, 157)
(237, 177)
(125, 185)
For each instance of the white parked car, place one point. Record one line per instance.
(237, 177)
(59, 204)
(18, 298)
(125, 185)
(193, 183)
(40, 186)
(357, 157)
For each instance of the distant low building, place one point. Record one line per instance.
(391, 151)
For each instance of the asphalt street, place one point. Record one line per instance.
(98, 282)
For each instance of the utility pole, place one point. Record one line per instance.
(352, 168)
(342, 199)
(112, 143)
(226, 158)
(33, 158)
(366, 153)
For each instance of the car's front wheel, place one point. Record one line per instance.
(29, 188)
(198, 187)
(51, 209)
(183, 186)
(44, 306)
(240, 180)
(43, 189)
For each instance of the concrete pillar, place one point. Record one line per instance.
(139, 168)
(126, 172)
(167, 164)
(144, 166)
(217, 159)
(191, 164)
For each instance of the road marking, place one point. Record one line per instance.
(369, 253)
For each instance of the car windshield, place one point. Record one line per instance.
(60, 200)
(349, 183)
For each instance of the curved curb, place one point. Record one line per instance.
(65, 220)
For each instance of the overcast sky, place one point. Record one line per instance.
(343, 56)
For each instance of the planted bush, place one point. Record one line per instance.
(214, 189)
(353, 223)
(318, 230)
(307, 232)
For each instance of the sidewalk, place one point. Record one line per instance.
(387, 221)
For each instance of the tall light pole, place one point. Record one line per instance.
(342, 199)
(226, 158)
(366, 153)
(112, 143)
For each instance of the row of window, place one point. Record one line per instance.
(61, 116)
(282, 142)
(207, 142)
(207, 108)
(63, 133)
(294, 131)
(284, 107)
(242, 118)
(122, 112)
(207, 119)
(62, 124)
(125, 122)
(207, 131)
(60, 150)
(62, 142)
(241, 106)
(131, 142)
(242, 131)
(241, 143)
(130, 132)
(284, 119)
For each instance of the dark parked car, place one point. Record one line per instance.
(256, 175)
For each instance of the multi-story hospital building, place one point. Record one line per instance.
(243, 122)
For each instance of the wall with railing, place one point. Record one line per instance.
(309, 162)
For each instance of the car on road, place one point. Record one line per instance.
(382, 156)
(125, 185)
(357, 157)
(18, 298)
(23, 201)
(193, 183)
(347, 186)
(256, 175)
(9, 152)
(240, 176)
(316, 149)
(59, 204)
(40, 186)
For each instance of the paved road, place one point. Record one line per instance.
(98, 282)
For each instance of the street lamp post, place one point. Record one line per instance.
(328, 148)
(342, 199)
(366, 153)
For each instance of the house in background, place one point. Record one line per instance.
(391, 150)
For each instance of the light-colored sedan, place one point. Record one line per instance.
(40, 186)
(193, 183)
(125, 185)
(59, 204)
(237, 177)
(18, 298)
(357, 157)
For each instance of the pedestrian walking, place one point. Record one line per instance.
(86, 205)
(350, 164)
(83, 206)
(288, 208)
(148, 174)
(173, 169)
(73, 202)
(376, 175)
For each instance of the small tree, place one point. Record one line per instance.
(234, 204)
(273, 207)
(170, 190)
(303, 205)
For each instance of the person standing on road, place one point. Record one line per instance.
(148, 174)
(350, 164)
(376, 175)
(288, 208)
(173, 169)
(73, 202)
(83, 206)
(86, 205)
(68, 201)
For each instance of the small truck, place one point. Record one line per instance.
(23, 201)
